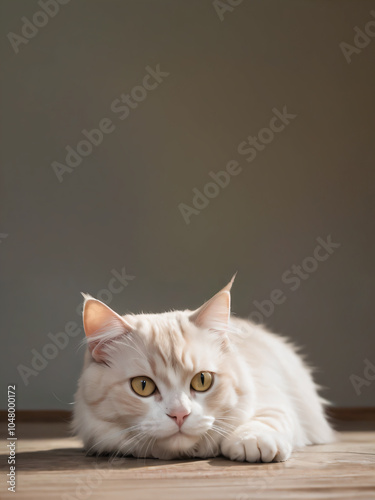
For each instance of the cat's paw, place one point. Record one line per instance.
(256, 447)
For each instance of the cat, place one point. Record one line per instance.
(193, 384)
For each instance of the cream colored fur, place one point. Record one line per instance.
(262, 405)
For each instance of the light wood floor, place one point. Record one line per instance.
(50, 465)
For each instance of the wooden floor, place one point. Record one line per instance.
(51, 465)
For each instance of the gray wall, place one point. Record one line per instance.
(119, 207)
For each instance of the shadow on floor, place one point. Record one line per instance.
(61, 459)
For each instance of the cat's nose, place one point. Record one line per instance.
(179, 416)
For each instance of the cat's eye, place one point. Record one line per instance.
(202, 381)
(143, 386)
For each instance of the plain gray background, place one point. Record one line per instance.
(119, 207)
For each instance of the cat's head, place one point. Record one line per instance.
(165, 384)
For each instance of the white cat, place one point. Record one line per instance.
(193, 384)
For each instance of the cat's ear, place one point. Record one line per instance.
(102, 326)
(215, 313)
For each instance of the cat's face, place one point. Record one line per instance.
(164, 381)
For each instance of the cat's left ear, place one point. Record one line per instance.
(215, 313)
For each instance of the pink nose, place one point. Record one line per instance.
(179, 416)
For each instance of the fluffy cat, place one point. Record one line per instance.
(193, 384)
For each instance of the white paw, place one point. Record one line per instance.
(256, 447)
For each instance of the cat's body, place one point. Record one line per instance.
(261, 404)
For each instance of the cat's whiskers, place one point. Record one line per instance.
(113, 434)
(223, 427)
(236, 409)
(228, 424)
(131, 440)
(146, 443)
(219, 430)
(131, 443)
(150, 445)
(212, 446)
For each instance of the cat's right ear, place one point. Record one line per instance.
(215, 313)
(102, 326)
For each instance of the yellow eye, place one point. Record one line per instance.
(143, 386)
(202, 381)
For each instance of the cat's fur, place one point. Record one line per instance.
(263, 402)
